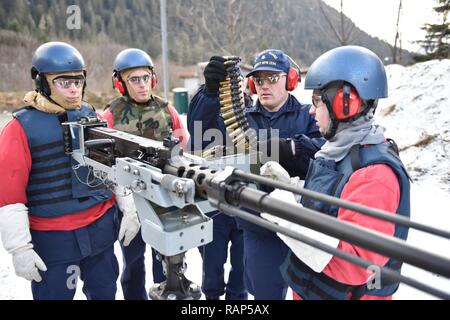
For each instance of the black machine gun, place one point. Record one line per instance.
(172, 190)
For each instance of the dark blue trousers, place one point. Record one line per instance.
(133, 273)
(99, 274)
(264, 254)
(215, 254)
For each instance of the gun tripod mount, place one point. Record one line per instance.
(176, 286)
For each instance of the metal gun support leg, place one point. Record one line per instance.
(176, 286)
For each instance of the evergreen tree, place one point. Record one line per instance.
(437, 39)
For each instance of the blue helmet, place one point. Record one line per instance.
(56, 57)
(132, 58)
(353, 64)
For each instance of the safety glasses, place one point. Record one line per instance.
(316, 99)
(137, 80)
(270, 79)
(66, 83)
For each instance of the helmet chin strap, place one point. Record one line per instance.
(334, 123)
(331, 130)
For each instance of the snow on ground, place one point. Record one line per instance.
(417, 117)
(431, 206)
(15, 288)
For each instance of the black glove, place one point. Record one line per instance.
(214, 73)
(284, 154)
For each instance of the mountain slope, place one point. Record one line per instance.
(196, 29)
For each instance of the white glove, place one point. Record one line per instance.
(129, 227)
(16, 238)
(316, 259)
(275, 171)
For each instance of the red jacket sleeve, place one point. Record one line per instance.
(375, 186)
(179, 131)
(108, 117)
(15, 164)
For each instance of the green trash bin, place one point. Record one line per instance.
(180, 99)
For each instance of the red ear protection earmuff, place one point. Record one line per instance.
(251, 85)
(154, 80)
(293, 76)
(117, 83)
(346, 103)
(292, 79)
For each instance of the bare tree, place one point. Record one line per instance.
(220, 24)
(344, 32)
(396, 51)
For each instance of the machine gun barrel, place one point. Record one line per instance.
(386, 273)
(232, 191)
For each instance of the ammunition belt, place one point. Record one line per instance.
(232, 106)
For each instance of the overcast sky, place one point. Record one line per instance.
(379, 17)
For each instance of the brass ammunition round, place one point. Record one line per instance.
(225, 108)
(206, 153)
(236, 132)
(239, 137)
(222, 105)
(233, 126)
(229, 121)
(230, 100)
(228, 88)
(228, 114)
(229, 94)
(241, 144)
(239, 140)
(232, 81)
(225, 95)
(237, 103)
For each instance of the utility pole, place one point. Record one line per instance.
(165, 53)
